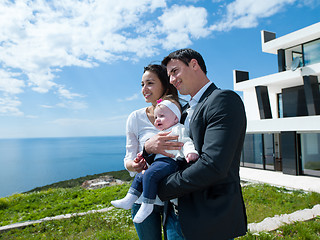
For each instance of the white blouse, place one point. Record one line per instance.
(138, 130)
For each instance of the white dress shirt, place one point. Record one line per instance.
(193, 103)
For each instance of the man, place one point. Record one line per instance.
(210, 203)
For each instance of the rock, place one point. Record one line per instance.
(101, 182)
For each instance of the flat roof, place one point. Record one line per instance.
(303, 35)
(283, 79)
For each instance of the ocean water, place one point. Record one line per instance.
(29, 163)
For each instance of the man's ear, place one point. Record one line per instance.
(194, 64)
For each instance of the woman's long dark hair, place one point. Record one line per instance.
(161, 72)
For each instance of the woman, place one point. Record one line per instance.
(155, 84)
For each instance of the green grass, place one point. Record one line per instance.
(266, 201)
(58, 199)
(52, 202)
(116, 224)
(261, 201)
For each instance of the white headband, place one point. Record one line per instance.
(171, 106)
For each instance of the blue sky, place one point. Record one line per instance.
(73, 68)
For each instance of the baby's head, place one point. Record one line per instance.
(166, 113)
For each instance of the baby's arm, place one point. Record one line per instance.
(192, 157)
(188, 148)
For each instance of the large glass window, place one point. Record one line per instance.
(268, 144)
(311, 52)
(280, 107)
(291, 54)
(310, 153)
(252, 151)
(308, 53)
(294, 102)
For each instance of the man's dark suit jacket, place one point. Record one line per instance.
(209, 195)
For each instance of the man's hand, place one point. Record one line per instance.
(139, 163)
(161, 142)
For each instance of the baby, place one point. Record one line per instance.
(167, 115)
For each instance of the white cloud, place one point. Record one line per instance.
(46, 106)
(310, 3)
(39, 38)
(32, 116)
(74, 105)
(9, 106)
(69, 99)
(181, 24)
(67, 94)
(41, 81)
(9, 82)
(71, 122)
(131, 98)
(246, 13)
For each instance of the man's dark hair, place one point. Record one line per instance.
(186, 55)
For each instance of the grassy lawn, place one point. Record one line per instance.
(261, 201)
(309, 230)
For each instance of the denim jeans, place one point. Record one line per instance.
(172, 227)
(150, 228)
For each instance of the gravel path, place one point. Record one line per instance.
(273, 223)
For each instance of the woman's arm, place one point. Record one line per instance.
(133, 161)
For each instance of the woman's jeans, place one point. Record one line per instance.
(150, 228)
(172, 226)
(147, 183)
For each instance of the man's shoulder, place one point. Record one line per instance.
(221, 93)
(218, 91)
(222, 99)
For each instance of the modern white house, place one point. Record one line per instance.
(283, 109)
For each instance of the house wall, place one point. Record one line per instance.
(296, 132)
